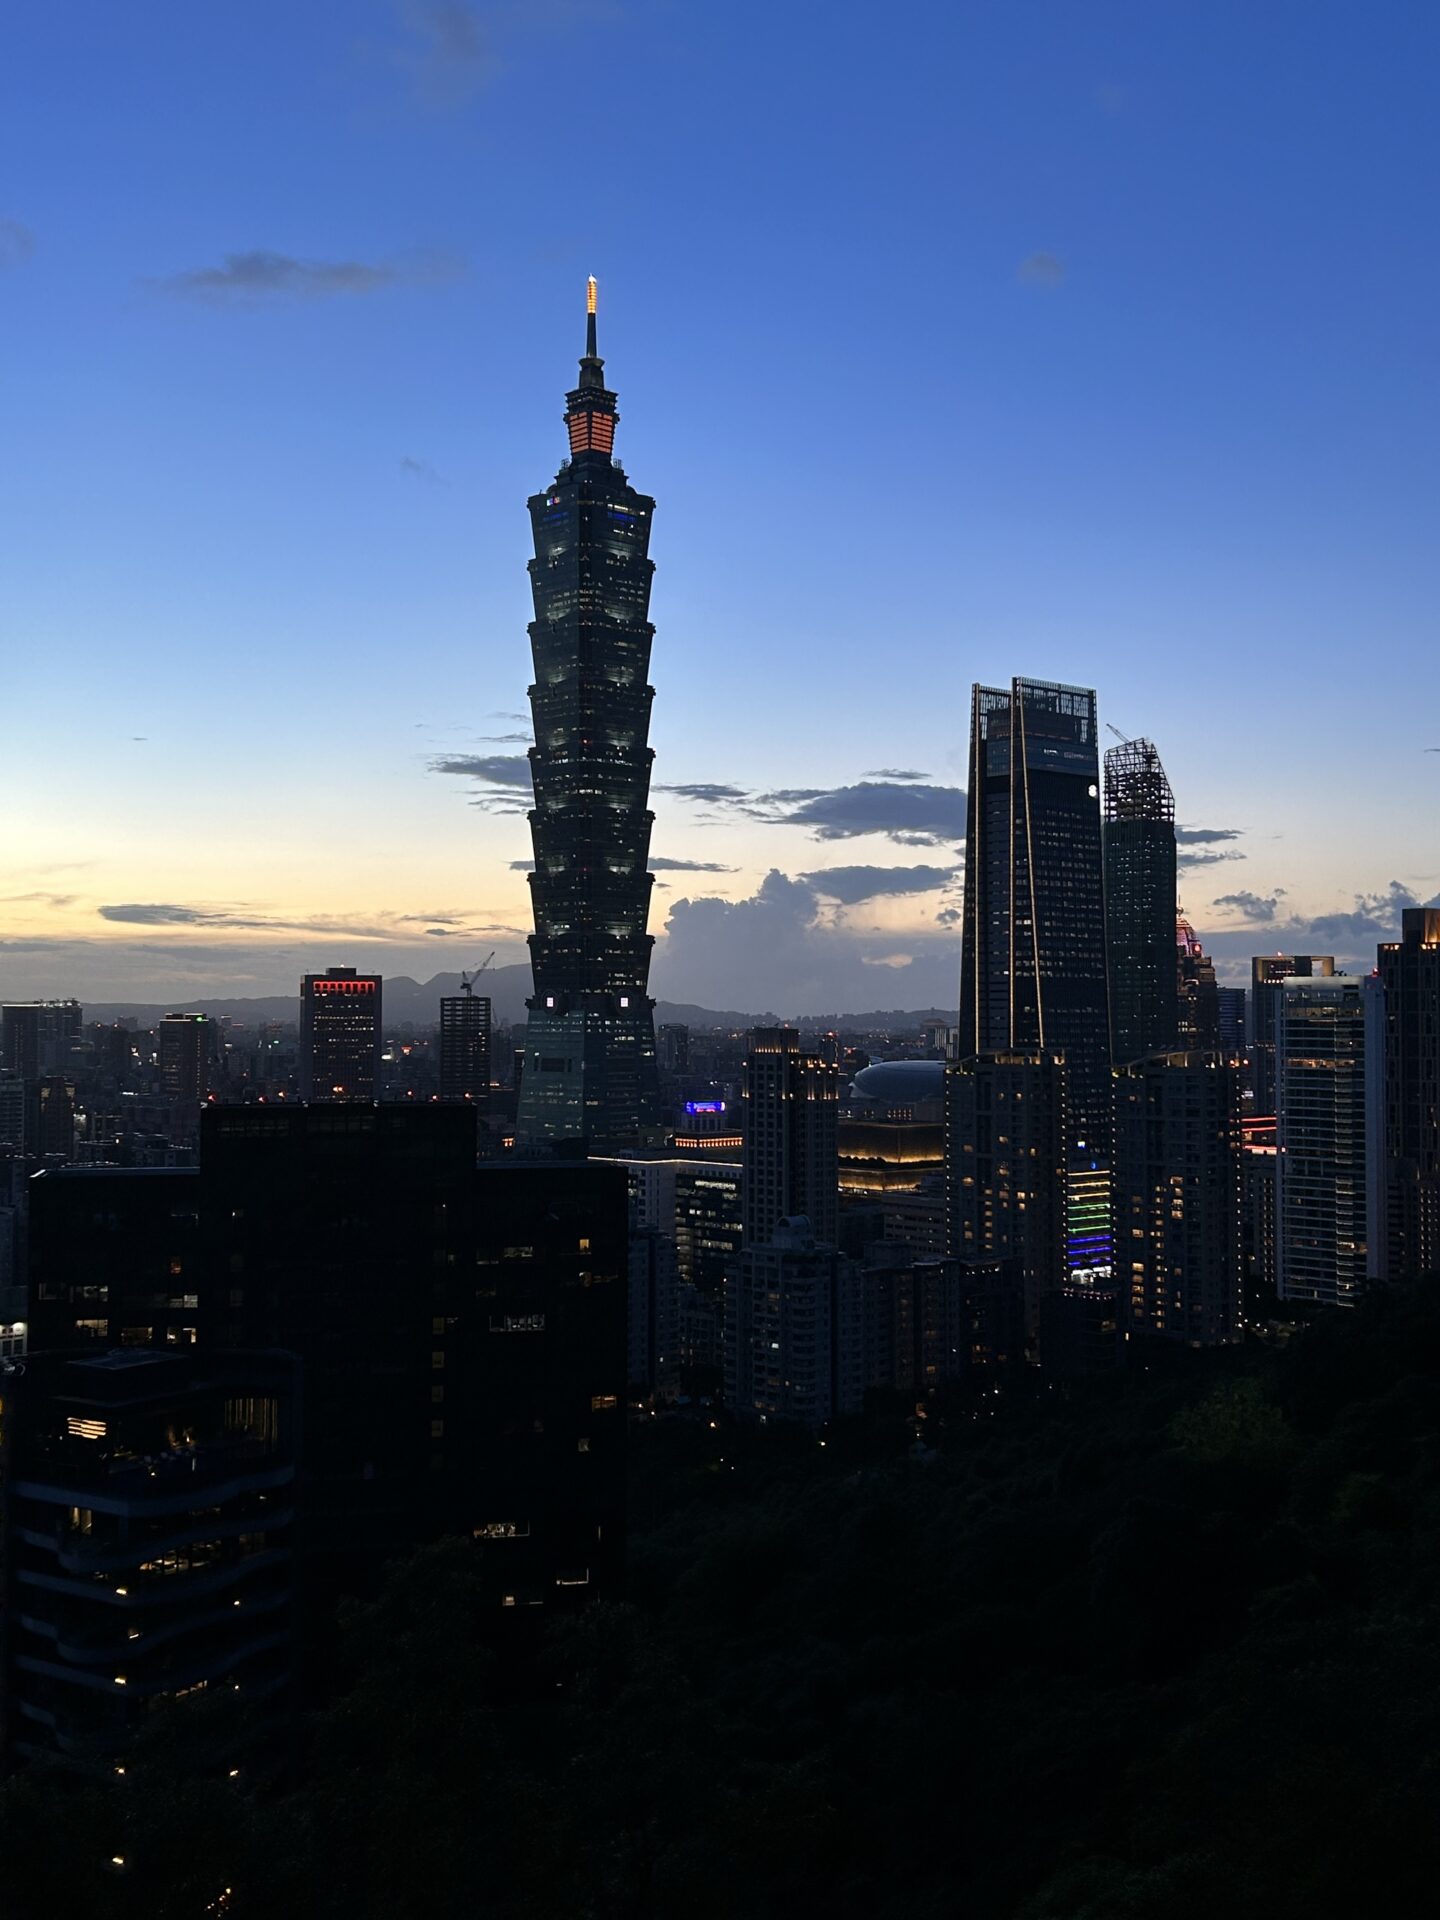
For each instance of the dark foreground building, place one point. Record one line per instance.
(1405, 1122)
(460, 1331)
(149, 1548)
(590, 1046)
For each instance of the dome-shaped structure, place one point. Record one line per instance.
(901, 1083)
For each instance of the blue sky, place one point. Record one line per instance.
(1089, 341)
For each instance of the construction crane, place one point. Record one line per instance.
(467, 980)
(1123, 738)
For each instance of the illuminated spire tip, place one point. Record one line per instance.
(590, 294)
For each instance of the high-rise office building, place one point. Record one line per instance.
(1405, 1122)
(1033, 965)
(1006, 1128)
(1231, 1005)
(1140, 885)
(673, 1045)
(1321, 1194)
(465, 1049)
(1198, 993)
(792, 1110)
(787, 1335)
(590, 1041)
(340, 1036)
(1268, 973)
(36, 1036)
(186, 1045)
(1177, 1197)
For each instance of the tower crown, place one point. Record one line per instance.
(590, 412)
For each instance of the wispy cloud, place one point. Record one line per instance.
(248, 279)
(850, 885)
(449, 52)
(1257, 909)
(1041, 270)
(422, 471)
(912, 813)
(1198, 836)
(17, 243)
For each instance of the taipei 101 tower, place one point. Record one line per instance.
(590, 1044)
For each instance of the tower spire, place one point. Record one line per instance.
(590, 412)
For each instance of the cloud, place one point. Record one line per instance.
(507, 716)
(495, 769)
(915, 816)
(659, 864)
(39, 899)
(450, 52)
(522, 866)
(422, 470)
(1203, 857)
(1375, 916)
(1204, 836)
(245, 279)
(160, 913)
(1258, 909)
(1041, 270)
(777, 949)
(449, 55)
(706, 794)
(912, 815)
(850, 885)
(17, 243)
(894, 773)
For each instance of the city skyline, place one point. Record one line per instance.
(287, 404)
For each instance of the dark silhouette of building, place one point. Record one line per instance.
(340, 1035)
(1033, 967)
(792, 1109)
(673, 1043)
(36, 1036)
(1140, 882)
(1403, 1057)
(1177, 1186)
(186, 1048)
(1198, 993)
(460, 1331)
(590, 1044)
(1321, 1198)
(465, 1049)
(149, 1514)
(1268, 973)
(1231, 1009)
(1006, 1128)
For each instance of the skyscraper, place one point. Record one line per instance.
(1198, 993)
(1268, 973)
(792, 1109)
(1177, 1196)
(590, 1046)
(1405, 1127)
(339, 1035)
(1140, 886)
(1033, 975)
(1033, 966)
(1006, 1127)
(185, 1050)
(1320, 1178)
(465, 1049)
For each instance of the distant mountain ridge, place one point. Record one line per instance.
(410, 1002)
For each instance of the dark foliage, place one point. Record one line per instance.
(1164, 1645)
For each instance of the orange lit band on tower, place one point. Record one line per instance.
(590, 414)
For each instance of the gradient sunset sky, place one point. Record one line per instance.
(1090, 341)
